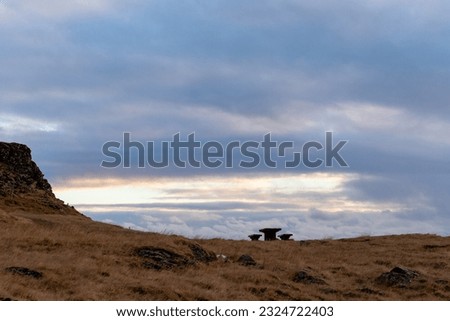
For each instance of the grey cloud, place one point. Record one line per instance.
(211, 207)
(223, 67)
(304, 225)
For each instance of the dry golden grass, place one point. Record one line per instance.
(85, 260)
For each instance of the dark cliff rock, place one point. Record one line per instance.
(18, 172)
(22, 184)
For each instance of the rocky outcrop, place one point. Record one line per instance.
(201, 255)
(18, 172)
(23, 271)
(162, 259)
(398, 276)
(306, 277)
(246, 260)
(23, 186)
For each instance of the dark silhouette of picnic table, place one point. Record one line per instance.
(255, 237)
(270, 234)
(285, 237)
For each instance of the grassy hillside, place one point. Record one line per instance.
(69, 257)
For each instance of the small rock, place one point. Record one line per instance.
(369, 291)
(246, 260)
(201, 255)
(158, 258)
(306, 278)
(434, 246)
(329, 291)
(24, 272)
(441, 281)
(397, 277)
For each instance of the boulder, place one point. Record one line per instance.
(307, 278)
(23, 271)
(159, 259)
(397, 277)
(201, 255)
(246, 260)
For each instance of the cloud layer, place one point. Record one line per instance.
(77, 74)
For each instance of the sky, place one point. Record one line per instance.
(77, 74)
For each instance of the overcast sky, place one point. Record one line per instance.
(76, 74)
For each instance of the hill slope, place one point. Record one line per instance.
(48, 251)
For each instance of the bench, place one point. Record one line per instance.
(255, 237)
(285, 237)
